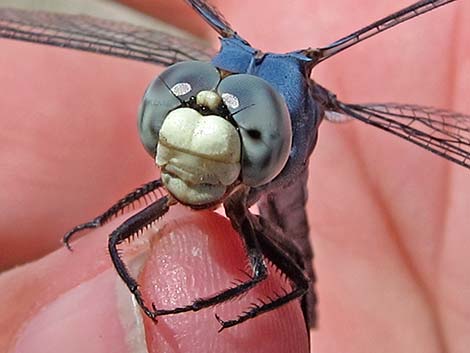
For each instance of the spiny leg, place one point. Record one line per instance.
(237, 211)
(129, 228)
(287, 265)
(114, 210)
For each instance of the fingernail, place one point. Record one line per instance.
(94, 317)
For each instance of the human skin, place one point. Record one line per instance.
(389, 221)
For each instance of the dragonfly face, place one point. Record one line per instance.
(269, 208)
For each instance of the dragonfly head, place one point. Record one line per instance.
(210, 131)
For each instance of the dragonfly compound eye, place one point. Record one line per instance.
(264, 124)
(175, 85)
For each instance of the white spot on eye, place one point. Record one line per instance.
(230, 100)
(181, 89)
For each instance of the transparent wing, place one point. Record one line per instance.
(99, 36)
(337, 118)
(385, 23)
(214, 18)
(443, 132)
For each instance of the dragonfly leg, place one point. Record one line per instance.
(239, 215)
(129, 228)
(114, 210)
(274, 252)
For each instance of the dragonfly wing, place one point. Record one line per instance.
(336, 117)
(101, 36)
(414, 10)
(442, 132)
(214, 18)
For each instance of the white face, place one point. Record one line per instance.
(199, 156)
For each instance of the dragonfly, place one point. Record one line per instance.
(251, 118)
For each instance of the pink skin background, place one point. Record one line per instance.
(389, 220)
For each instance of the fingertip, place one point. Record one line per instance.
(198, 254)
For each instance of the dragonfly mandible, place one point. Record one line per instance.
(442, 132)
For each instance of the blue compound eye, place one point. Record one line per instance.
(172, 87)
(264, 125)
